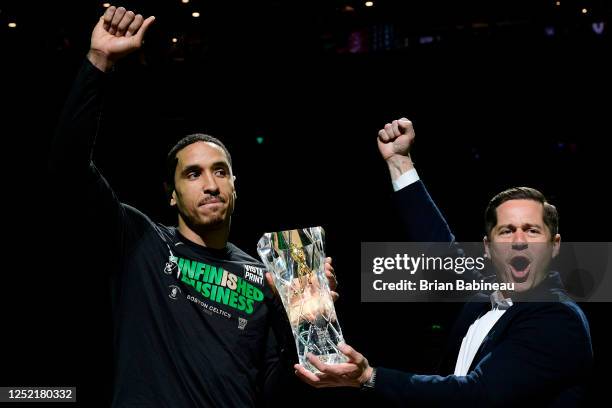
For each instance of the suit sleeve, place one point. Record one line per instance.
(419, 215)
(422, 221)
(544, 351)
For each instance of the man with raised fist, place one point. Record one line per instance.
(529, 347)
(191, 327)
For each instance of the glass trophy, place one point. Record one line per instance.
(296, 261)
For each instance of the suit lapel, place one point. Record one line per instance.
(492, 337)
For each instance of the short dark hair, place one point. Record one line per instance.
(172, 160)
(551, 217)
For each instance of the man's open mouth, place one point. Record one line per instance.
(520, 266)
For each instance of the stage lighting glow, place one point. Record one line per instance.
(12, 25)
(175, 40)
(550, 31)
(598, 28)
(106, 5)
(185, 1)
(558, 3)
(584, 11)
(195, 14)
(369, 3)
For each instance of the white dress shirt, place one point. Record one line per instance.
(478, 331)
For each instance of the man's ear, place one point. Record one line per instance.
(485, 242)
(234, 182)
(556, 245)
(167, 188)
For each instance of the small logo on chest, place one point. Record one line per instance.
(253, 274)
(174, 292)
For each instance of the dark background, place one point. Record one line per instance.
(501, 94)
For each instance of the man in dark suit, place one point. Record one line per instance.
(529, 346)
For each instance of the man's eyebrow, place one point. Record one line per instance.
(504, 226)
(529, 225)
(526, 225)
(197, 167)
(190, 168)
(220, 163)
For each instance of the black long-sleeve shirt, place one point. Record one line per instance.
(193, 326)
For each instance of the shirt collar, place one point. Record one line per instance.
(499, 302)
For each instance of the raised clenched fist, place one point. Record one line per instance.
(119, 32)
(395, 139)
